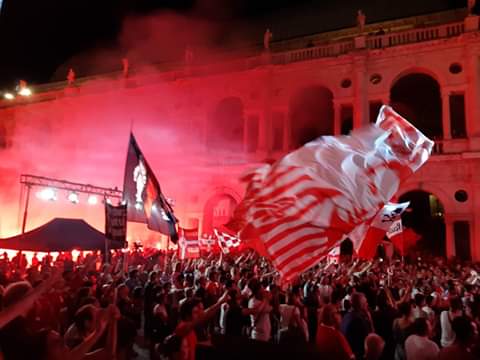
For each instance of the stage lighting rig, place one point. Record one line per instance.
(50, 187)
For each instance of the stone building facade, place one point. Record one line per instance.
(203, 124)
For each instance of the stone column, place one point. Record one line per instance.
(360, 106)
(472, 94)
(337, 120)
(446, 115)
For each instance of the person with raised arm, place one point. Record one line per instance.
(190, 318)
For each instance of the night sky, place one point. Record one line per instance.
(39, 37)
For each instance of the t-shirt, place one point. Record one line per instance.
(223, 316)
(420, 348)
(189, 343)
(332, 344)
(418, 313)
(429, 311)
(448, 336)
(261, 326)
(356, 326)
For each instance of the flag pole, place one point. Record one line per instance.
(106, 240)
(25, 213)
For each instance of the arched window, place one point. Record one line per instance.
(426, 218)
(417, 98)
(218, 211)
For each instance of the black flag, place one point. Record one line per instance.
(142, 194)
(116, 223)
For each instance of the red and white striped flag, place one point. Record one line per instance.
(367, 236)
(302, 206)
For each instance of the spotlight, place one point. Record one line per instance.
(47, 194)
(9, 96)
(25, 91)
(23, 88)
(75, 254)
(73, 198)
(92, 200)
(138, 206)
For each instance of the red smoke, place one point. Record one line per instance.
(83, 138)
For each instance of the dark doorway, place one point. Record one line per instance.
(458, 126)
(461, 230)
(346, 247)
(346, 117)
(426, 218)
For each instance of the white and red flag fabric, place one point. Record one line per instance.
(367, 236)
(298, 209)
(188, 244)
(227, 243)
(208, 243)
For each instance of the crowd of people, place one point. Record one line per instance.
(85, 308)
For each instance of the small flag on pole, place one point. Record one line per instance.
(116, 223)
(227, 242)
(368, 236)
(188, 244)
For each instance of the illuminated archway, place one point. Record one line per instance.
(426, 218)
(311, 114)
(217, 212)
(417, 97)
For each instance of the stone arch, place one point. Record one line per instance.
(225, 126)
(219, 209)
(426, 216)
(417, 96)
(416, 70)
(438, 191)
(311, 114)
